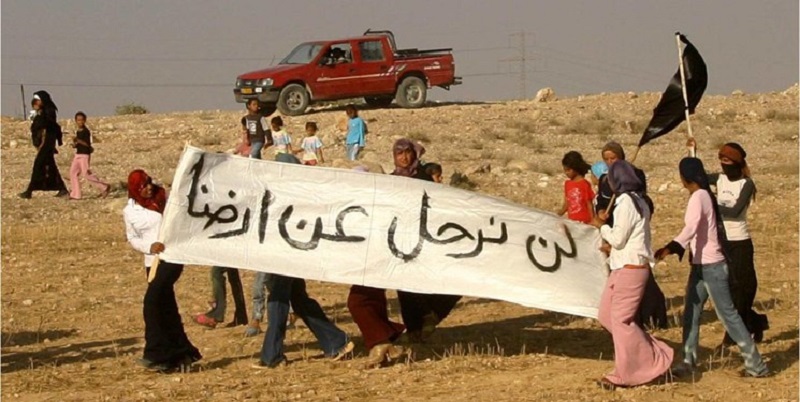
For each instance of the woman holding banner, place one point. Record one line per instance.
(639, 358)
(166, 345)
(421, 312)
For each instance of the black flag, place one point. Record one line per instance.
(670, 109)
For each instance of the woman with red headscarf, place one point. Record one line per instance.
(166, 345)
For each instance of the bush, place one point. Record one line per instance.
(130, 108)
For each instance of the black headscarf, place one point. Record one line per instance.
(692, 170)
(48, 107)
(47, 117)
(624, 180)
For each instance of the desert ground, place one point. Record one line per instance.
(72, 288)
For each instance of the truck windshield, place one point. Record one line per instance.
(303, 54)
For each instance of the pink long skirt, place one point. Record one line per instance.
(638, 357)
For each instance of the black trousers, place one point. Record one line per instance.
(415, 306)
(165, 340)
(744, 284)
(653, 307)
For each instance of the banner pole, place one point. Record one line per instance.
(689, 134)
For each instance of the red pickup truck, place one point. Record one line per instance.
(368, 66)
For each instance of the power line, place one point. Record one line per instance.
(130, 59)
(137, 85)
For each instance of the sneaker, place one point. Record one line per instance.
(344, 351)
(253, 329)
(205, 321)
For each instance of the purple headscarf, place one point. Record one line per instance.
(624, 180)
(418, 150)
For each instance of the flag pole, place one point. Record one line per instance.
(689, 134)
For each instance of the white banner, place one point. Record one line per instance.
(377, 230)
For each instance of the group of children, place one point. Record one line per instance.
(257, 134)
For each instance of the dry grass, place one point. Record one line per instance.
(780, 115)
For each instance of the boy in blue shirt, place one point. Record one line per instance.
(356, 133)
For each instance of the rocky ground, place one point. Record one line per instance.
(72, 288)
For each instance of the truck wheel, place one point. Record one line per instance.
(378, 101)
(293, 100)
(266, 109)
(411, 93)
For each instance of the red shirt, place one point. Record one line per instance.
(579, 195)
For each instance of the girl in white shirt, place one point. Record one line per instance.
(639, 358)
(166, 345)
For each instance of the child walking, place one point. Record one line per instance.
(356, 133)
(82, 142)
(312, 146)
(282, 139)
(578, 193)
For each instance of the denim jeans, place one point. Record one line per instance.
(352, 151)
(712, 280)
(260, 284)
(255, 149)
(284, 290)
(220, 295)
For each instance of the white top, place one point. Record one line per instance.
(733, 198)
(630, 236)
(141, 228)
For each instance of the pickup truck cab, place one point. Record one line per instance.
(368, 66)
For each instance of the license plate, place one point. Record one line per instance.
(247, 90)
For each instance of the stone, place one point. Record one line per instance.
(632, 95)
(737, 92)
(516, 165)
(13, 143)
(27, 302)
(545, 95)
(483, 168)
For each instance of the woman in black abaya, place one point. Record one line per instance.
(46, 137)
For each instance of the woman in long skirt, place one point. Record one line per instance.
(639, 358)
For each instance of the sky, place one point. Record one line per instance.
(179, 55)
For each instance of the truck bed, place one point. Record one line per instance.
(408, 53)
